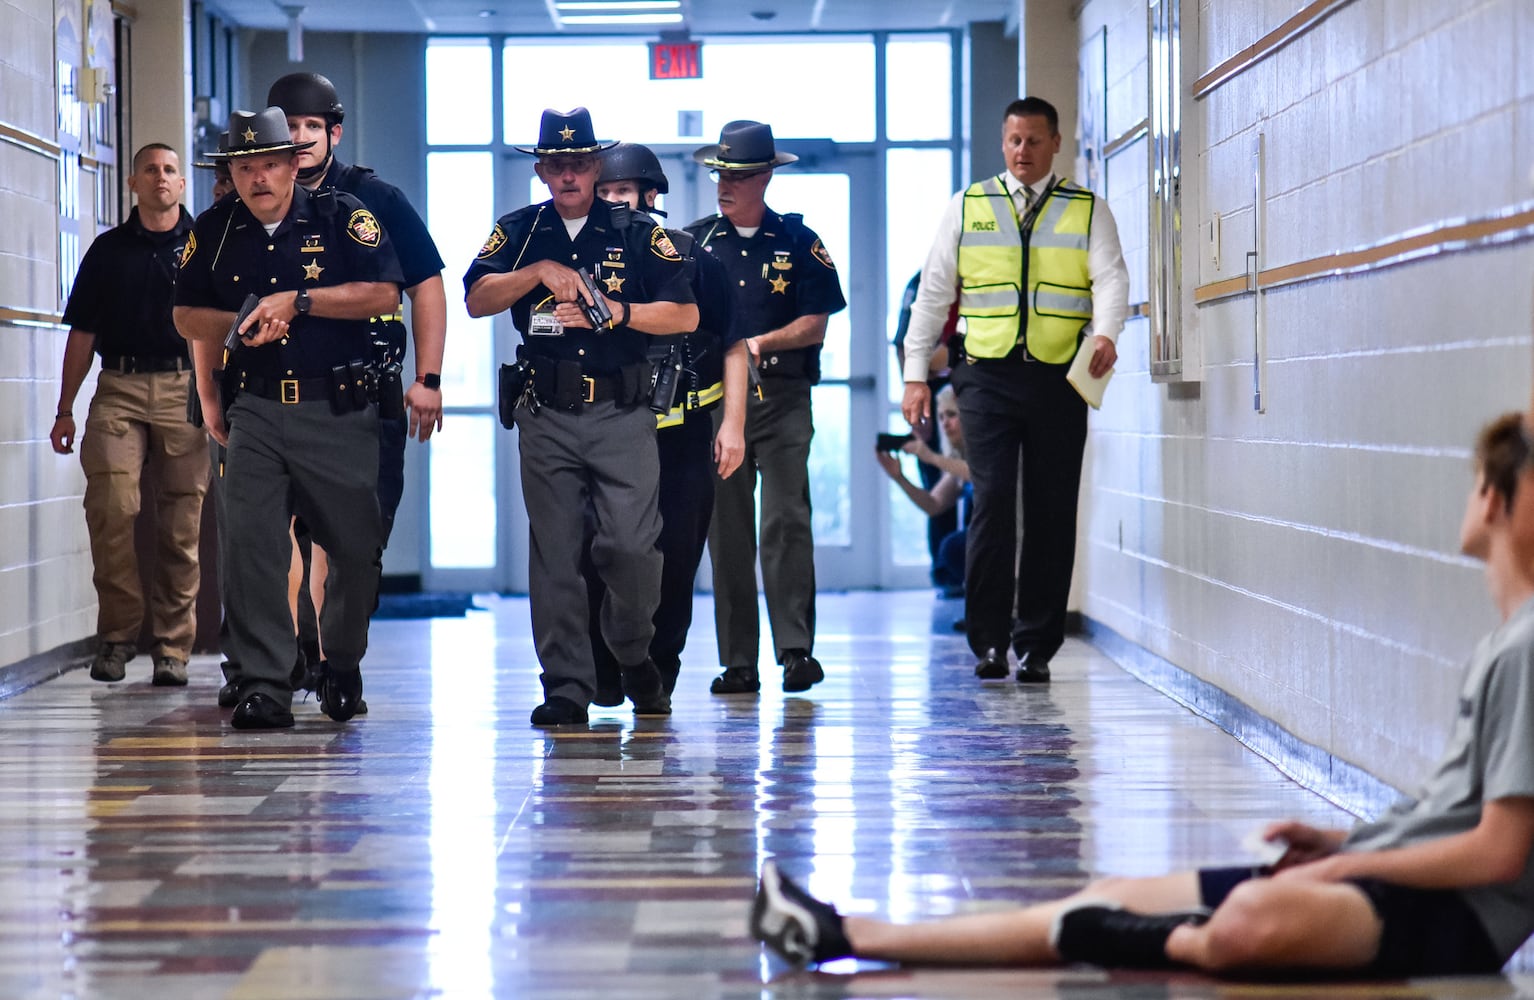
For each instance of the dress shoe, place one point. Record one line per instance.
(642, 685)
(558, 711)
(339, 691)
(229, 694)
(1032, 669)
(305, 675)
(801, 671)
(992, 666)
(736, 680)
(259, 711)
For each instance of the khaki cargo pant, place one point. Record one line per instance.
(137, 427)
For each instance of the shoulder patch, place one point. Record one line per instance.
(493, 242)
(819, 252)
(661, 245)
(188, 250)
(362, 227)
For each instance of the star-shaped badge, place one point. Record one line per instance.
(614, 283)
(567, 133)
(779, 285)
(250, 134)
(724, 147)
(312, 271)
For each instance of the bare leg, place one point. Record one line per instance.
(295, 577)
(1011, 937)
(1268, 924)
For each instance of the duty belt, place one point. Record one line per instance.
(699, 400)
(397, 316)
(288, 390)
(130, 365)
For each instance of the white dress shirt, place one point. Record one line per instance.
(940, 277)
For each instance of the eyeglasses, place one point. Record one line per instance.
(735, 176)
(570, 164)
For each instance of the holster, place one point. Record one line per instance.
(389, 392)
(512, 385)
(193, 403)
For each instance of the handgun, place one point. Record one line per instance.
(232, 339)
(597, 314)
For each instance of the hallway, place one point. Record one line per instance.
(441, 847)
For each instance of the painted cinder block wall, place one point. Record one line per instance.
(1305, 559)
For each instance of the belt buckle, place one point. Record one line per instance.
(289, 388)
(591, 388)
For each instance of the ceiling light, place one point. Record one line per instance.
(592, 6)
(620, 18)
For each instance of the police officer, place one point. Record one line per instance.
(315, 114)
(785, 288)
(709, 367)
(1018, 412)
(317, 265)
(120, 308)
(586, 433)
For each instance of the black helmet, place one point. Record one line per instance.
(629, 161)
(307, 94)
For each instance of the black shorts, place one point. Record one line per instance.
(1425, 932)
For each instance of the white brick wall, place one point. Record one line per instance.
(1305, 559)
(46, 598)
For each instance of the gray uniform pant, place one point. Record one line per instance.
(298, 459)
(607, 453)
(779, 427)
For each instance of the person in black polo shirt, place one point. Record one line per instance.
(586, 433)
(319, 265)
(785, 289)
(120, 308)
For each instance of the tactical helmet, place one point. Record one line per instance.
(629, 161)
(307, 94)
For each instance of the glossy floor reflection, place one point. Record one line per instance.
(441, 847)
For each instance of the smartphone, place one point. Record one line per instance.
(892, 442)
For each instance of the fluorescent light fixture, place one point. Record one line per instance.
(616, 5)
(620, 18)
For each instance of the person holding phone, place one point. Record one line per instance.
(951, 492)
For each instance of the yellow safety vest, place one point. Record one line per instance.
(991, 272)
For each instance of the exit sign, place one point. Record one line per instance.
(676, 60)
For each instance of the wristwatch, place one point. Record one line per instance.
(430, 380)
(302, 302)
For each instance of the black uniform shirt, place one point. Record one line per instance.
(231, 255)
(126, 288)
(417, 251)
(633, 263)
(778, 275)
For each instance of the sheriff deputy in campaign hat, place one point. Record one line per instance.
(317, 266)
(580, 403)
(786, 288)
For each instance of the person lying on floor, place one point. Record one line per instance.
(1441, 885)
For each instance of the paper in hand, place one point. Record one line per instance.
(1081, 379)
(1266, 852)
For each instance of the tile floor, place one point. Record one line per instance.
(442, 848)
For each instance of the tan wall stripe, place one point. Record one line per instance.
(26, 140)
(8, 315)
(1309, 16)
(1126, 140)
(1516, 223)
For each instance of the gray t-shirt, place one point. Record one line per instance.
(1489, 756)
